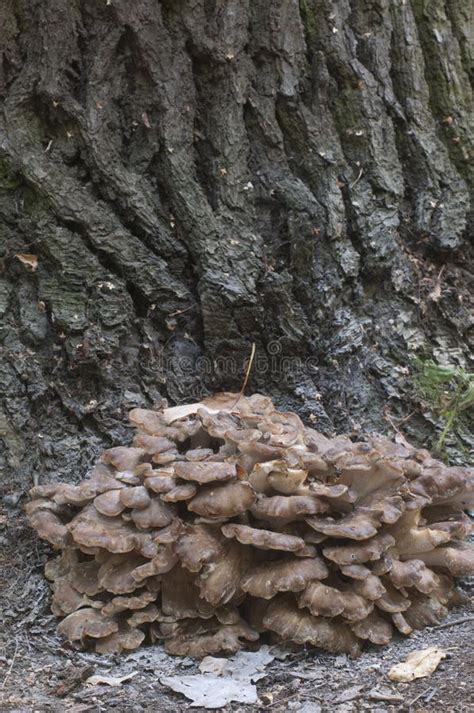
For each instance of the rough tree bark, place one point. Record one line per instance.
(192, 177)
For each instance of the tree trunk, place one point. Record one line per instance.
(179, 180)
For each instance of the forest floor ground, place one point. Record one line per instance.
(40, 672)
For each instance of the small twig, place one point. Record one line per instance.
(395, 426)
(11, 665)
(281, 700)
(247, 374)
(420, 695)
(386, 697)
(351, 185)
(453, 623)
(180, 311)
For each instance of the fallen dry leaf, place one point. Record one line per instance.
(248, 666)
(223, 680)
(30, 261)
(418, 664)
(209, 691)
(109, 680)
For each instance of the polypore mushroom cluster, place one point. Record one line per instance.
(228, 519)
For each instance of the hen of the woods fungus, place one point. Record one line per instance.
(229, 520)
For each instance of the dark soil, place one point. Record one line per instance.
(41, 672)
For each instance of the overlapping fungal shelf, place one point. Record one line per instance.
(229, 521)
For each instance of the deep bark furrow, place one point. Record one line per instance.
(451, 97)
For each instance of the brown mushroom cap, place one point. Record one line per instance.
(123, 458)
(412, 539)
(258, 476)
(371, 587)
(332, 492)
(366, 551)
(144, 616)
(177, 424)
(219, 582)
(123, 640)
(206, 472)
(115, 575)
(408, 574)
(257, 451)
(385, 563)
(83, 576)
(226, 500)
(80, 495)
(160, 483)
(458, 526)
(392, 601)
(136, 601)
(427, 611)
(355, 571)
(91, 529)
(45, 491)
(355, 526)
(185, 491)
(149, 421)
(60, 565)
(374, 628)
(66, 599)
(164, 560)
(156, 514)
(48, 526)
(87, 622)
(202, 638)
(285, 575)
(287, 507)
(364, 477)
(109, 503)
(439, 484)
(457, 558)
(170, 533)
(322, 600)
(263, 539)
(102, 478)
(135, 497)
(312, 462)
(288, 482)
(198, 545)
(153, 444)
(387, 506)
(293, 624)
(165, 458)
(198, 454)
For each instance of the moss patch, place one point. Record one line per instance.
(448, 392)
